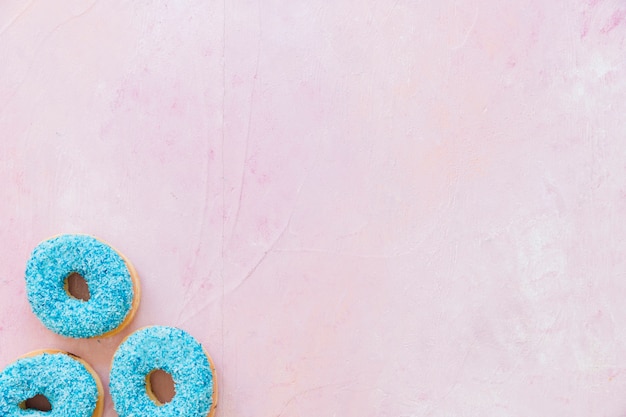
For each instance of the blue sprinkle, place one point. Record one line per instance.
(69, 387)
(104, 270)
(173, 351)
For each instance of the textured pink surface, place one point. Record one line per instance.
(360, 208)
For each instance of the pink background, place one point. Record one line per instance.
(360, 208)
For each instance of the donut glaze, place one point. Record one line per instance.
(112, 281)
(173, 351)
(70, 385)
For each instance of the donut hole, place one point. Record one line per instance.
(76, 287)
(160, 386)
(39, 402)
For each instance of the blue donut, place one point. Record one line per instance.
(173, 351)
(70, 385)
(112, 281)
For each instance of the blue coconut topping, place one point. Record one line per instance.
(104, 270)
(66, 383)
(171, 350)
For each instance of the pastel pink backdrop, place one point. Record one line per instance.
(360, 208)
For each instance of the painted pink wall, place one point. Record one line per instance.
(360, 208)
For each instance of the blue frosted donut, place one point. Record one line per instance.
(173, 351)
(111, 279)
(70, 385)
